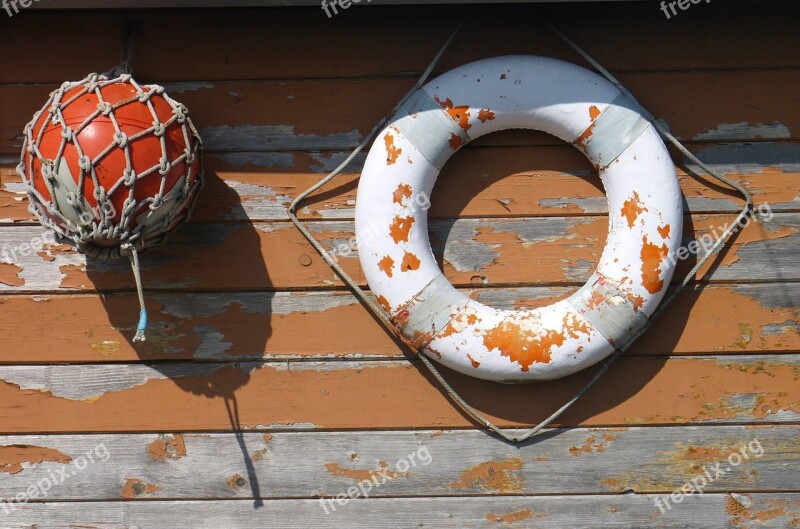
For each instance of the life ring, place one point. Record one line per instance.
(645, 218)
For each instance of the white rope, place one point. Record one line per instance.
(142, 326)
(99, 226)
(381, 316)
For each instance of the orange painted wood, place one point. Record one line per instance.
(484, 182)
(281, 95)
(246, 326)
(370, 395)
(321, 115)
(474, 252)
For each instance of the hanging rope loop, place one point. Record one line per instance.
(61, 200)
(381, 316)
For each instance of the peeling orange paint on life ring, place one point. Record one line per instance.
(485, 115)
(400, 228)
(632, 208)
(402, 192)
(521, 345)
(386, 265)
(652, 258)
(542, 342)
(410, 262)
(392, 152)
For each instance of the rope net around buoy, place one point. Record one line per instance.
(102, 223)
(122, 176)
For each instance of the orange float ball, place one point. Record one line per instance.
(109, 162)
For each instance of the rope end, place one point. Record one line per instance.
(134, 257)
(140, 336)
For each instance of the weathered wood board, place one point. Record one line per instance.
(265, 390)
(265, 44)
(236, 116)
(630, 511)
(643, 460)
(477, 182)
(472, 252)
(761, 317)
(350, 394)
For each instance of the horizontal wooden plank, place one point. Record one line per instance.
(347, 394)
(240, 116)
(162, 4)
(259, 44)
(444, 463)
(484, 182)
(240, 326)
(629, 511)
(474, 252)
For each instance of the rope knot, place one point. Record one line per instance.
(85, 164)
(67, 133)
(157, 201)
(164, 166)
(47, 171)
(128, 177)
(121, 139)
(128, 206)
(100, 195)
(180, 113)
(158, 129)
(105, 108)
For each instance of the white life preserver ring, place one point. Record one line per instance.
(645, 218)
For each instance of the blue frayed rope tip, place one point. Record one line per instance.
(140, 337)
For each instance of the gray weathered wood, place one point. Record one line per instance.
(235, 116)
(258, 202)
(38, 267)
(629, 511)
(444, 463)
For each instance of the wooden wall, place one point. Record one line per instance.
(264, 386)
